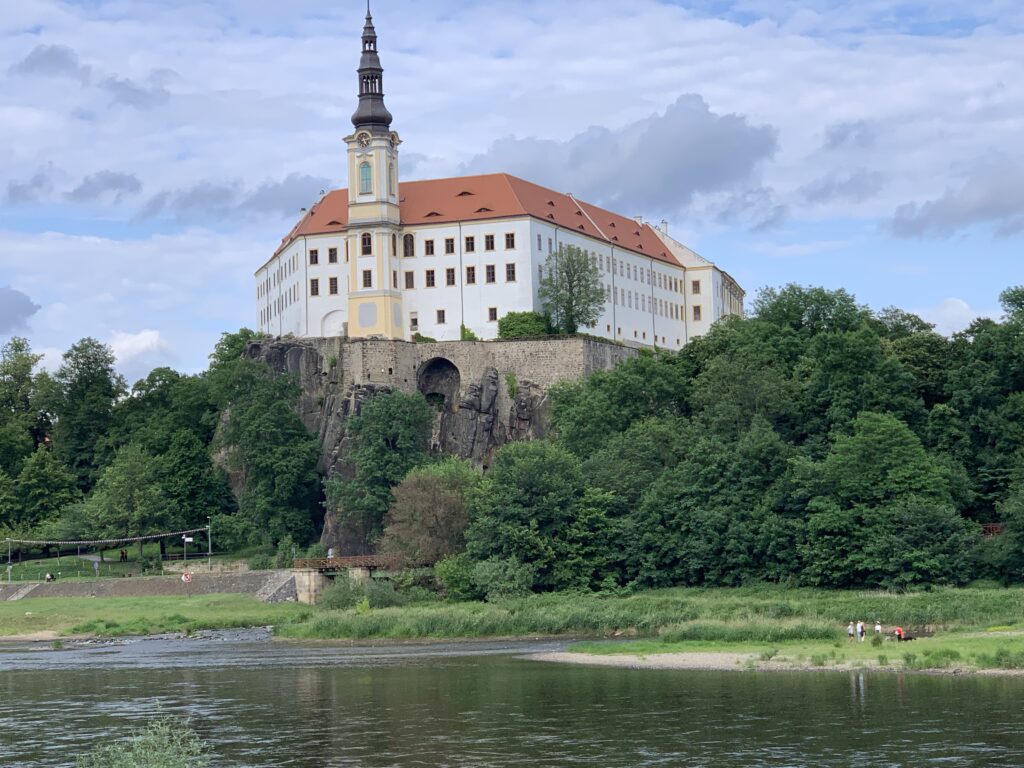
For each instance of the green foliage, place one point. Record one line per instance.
(262, 561)
(466, 334)
(499, 579)
(571, 289)
(387, 439)
(427, 518)
(534, 508)
(164, 743)
(455, 574)
(511, 384)
(419, 338)
(44, 488)
(88, 389)
(344, 593)
(523, 325)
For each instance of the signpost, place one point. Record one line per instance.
(186, 539)
(186, 577)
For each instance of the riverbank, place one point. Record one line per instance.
(992, 652)
(52, 617)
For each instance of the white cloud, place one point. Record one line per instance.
(953, 314)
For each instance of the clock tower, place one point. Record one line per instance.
(374, 218)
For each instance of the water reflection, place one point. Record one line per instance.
(264, 704)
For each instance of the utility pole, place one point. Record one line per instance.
(209, 542)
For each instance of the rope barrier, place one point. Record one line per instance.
(127, 540)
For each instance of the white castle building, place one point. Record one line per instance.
(391, 259)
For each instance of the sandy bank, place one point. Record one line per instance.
(741, 662)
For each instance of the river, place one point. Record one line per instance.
(264, 703)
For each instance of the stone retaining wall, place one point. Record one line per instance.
(269, 586)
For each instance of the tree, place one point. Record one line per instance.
(428, 518)
(387, 439)
(44, 488)
(1012, 301)
(533, 508)
(128, 499)
(571, 289)
(89, 387)
(523, 325)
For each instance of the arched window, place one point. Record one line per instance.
(365, 179)
(391, 179)
(408, 246)
(367, 244)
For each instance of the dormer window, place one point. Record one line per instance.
(365, 179)
(464, 193)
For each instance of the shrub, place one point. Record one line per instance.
(455, 575)
(521, 325)
(342, 593)
(876, 641)
(819, 660)
(261, 562)
(512, 384)
(419, 338)
(883, 660)
(285, 557)
(465, 334)
(165, 743)
(503, 578)
(316, 550)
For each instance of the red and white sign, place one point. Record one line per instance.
(186, 577)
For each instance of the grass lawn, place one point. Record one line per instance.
(114, 616)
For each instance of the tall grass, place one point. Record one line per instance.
(755, 613)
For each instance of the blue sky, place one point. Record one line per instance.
(152, 154)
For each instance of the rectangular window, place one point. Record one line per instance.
(430, 278)
(540, 246)
(449, 245)
(394, 278)
(428, 247)
(615, 267)
(492, 314)
(470, 275)
(333, 286)
(366, 244)
(449, 276)
(490, 273)
(314, 287)
(488, 242)
(551, 245)
(510, 240)
(414, 321)
(367, 278)
(695, 287)
(470, 244)
(332, 255)
(410, 280)
(314, 256)
(510, 273)
(540, 272)
(440, 317)
(696, 313)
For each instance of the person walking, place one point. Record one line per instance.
(878, 626)
(849, 633)
(861, 631)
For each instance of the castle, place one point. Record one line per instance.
(392, 260)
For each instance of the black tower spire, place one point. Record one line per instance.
(371, 112)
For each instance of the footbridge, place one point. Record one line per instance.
(313, 574)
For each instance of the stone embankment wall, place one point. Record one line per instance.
(268, 586)
(494, 391)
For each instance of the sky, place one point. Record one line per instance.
(153, 154)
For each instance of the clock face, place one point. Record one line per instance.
(363, 139)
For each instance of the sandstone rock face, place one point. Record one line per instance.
(486, 393)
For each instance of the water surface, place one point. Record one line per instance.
(262, 703)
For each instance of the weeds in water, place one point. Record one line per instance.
(883, 660)
(819, 659)
(57, 645)
(910, 660)
(770, 654)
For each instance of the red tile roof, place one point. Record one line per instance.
(491, 196)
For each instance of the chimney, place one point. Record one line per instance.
(664, 226)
